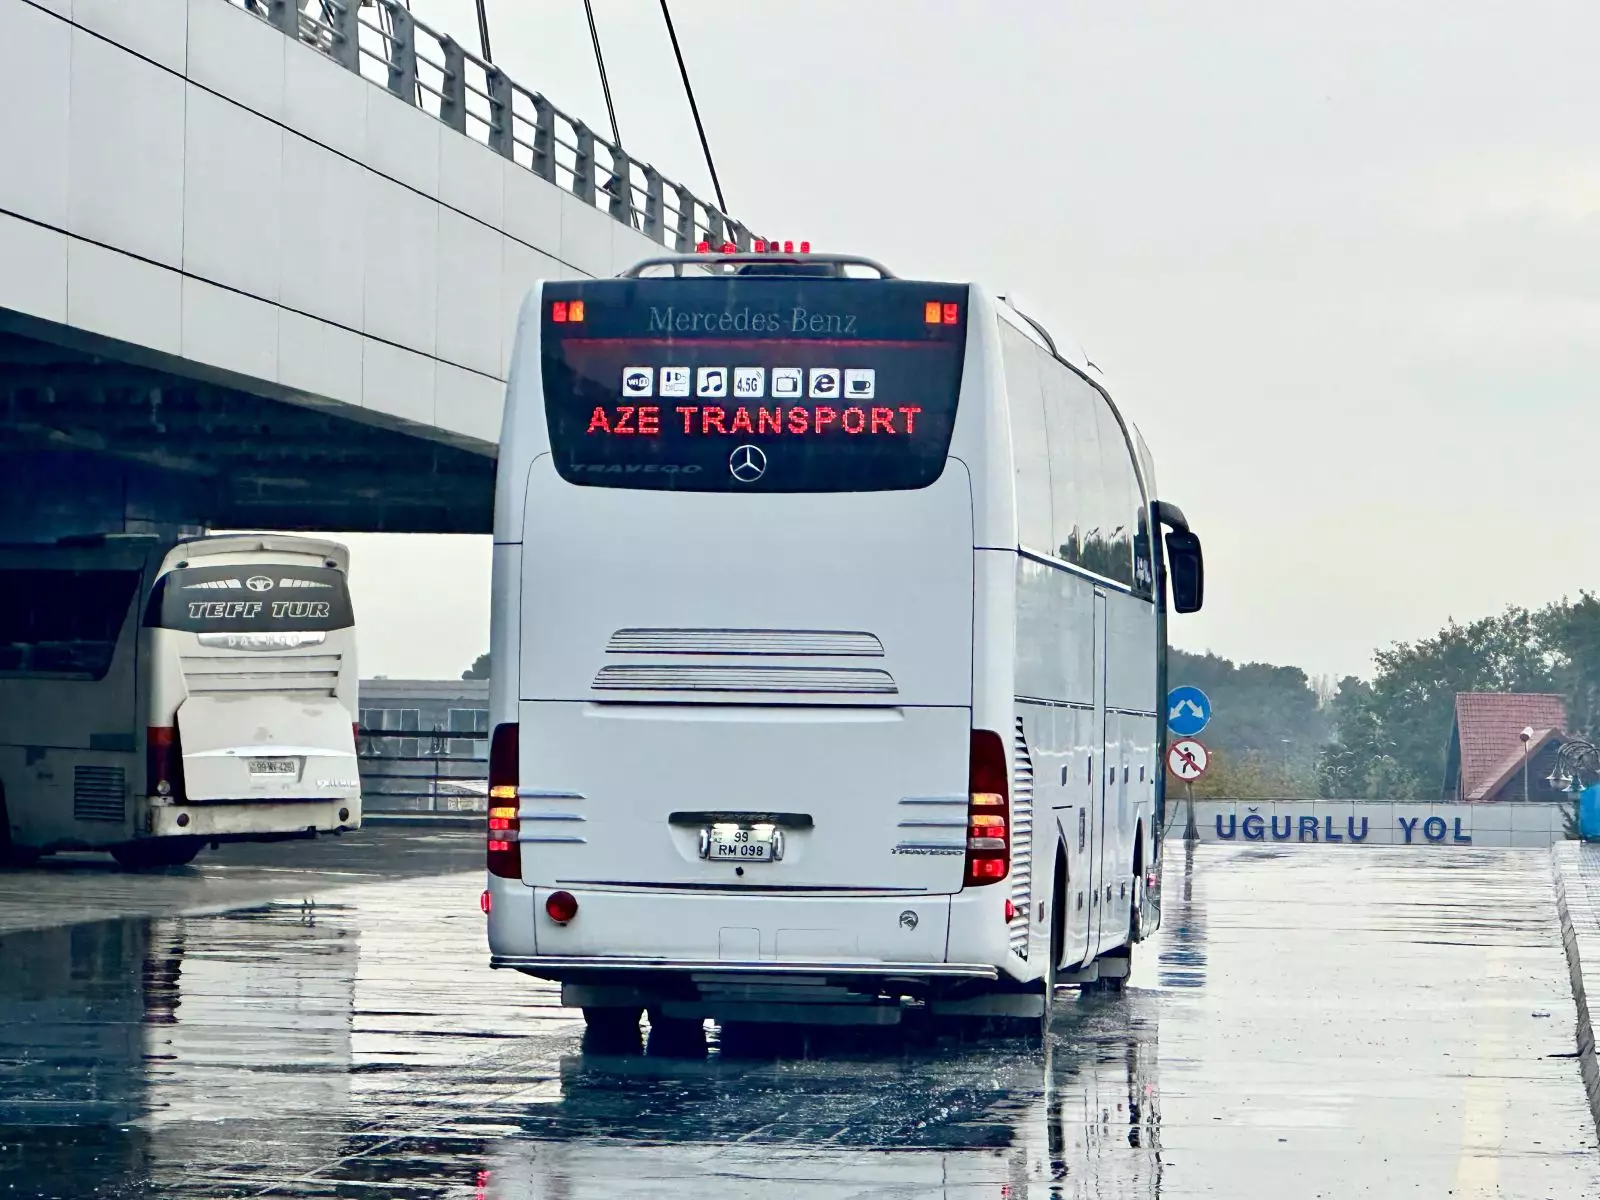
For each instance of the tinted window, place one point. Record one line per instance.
(752, 384)
(250, 599)
(62, 623)
(1030, 450)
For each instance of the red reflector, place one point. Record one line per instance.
(561, 907)
(952, 314)
(575, 312)
(484, 901)
(1011, 911)
(558, 312)
(930, 312)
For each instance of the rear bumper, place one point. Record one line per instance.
(557, 966)
(244, 819)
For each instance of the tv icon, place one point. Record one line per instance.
(786, 382)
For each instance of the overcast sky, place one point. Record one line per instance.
(1340, 261)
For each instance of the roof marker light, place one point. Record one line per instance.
(931, 312)
(702, 248)
(575, 312)
(952, 313)
(788, 247)
(761, 245)
(729, 248)
(805, 247)
(558, 312)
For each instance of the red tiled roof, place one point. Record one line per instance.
(1489, 725)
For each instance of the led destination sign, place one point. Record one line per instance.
(753, 384)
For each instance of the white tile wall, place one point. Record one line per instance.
(34, 88)
(585, 237)
(121, 297)
(156, 29)
(125, 174)
(322, 234)
(469, 293)
(232, 195)
(33, 269)
(230, 330)
(397, 382)
(472, 178)
(532, 209)
(521, 268)
(468, 403)
(628, 246)
(401, 273)
(402, 142)
(324, 101)
(319, 359)
(237, 54)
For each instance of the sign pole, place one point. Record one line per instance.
(1191, 831)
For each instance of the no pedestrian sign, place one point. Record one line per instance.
(1188, 759)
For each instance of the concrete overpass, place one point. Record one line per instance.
(260, 262)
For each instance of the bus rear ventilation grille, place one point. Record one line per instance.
(775, 642)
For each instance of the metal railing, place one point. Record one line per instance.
(383, 42)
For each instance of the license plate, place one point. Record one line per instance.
(273, 766)
(730, 843)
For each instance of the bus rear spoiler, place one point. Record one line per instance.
(751, 263)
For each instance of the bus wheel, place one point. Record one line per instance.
(1058, 942)
(612, 1030)
(12, 855)
(156, 853)
(676, 1037)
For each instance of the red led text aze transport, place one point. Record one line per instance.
(627, 420)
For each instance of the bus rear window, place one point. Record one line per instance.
(62, 623)
(247, 598)
(752, 384)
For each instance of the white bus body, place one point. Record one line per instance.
(153, 702)
(873, 724)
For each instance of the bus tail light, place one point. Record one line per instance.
(505, 851)
(163, 762)
(988, 810)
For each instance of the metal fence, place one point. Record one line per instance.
(382, 41)
(423, 783)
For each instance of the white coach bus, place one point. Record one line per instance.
(152, 702)
(827, 639)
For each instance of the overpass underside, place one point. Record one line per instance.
(98, 436)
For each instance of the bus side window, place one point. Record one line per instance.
(1074, 463)
(1029, 448)
(1121, 493)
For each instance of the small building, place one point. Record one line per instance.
(423, 745)
(1488, 759)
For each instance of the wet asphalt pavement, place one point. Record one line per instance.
(1362, 1022)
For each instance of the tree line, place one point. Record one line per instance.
(1278, 733)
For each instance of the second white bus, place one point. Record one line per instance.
(828, 631)
(156, 698)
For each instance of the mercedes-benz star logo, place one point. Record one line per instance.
(258, 583)
(747, 464)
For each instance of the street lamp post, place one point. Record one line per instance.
(1527, 738)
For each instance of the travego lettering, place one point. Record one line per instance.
(626, 420)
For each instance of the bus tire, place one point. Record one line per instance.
(156, 853)
(612, 1030)
(1057, 941)
(11, 854)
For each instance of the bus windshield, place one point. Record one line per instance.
(250, 598)
(751, 383)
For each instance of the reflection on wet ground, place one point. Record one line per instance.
(1350, 1023)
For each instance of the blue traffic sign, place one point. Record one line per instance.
(1188, 711)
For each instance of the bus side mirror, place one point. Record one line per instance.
(1187, 569)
